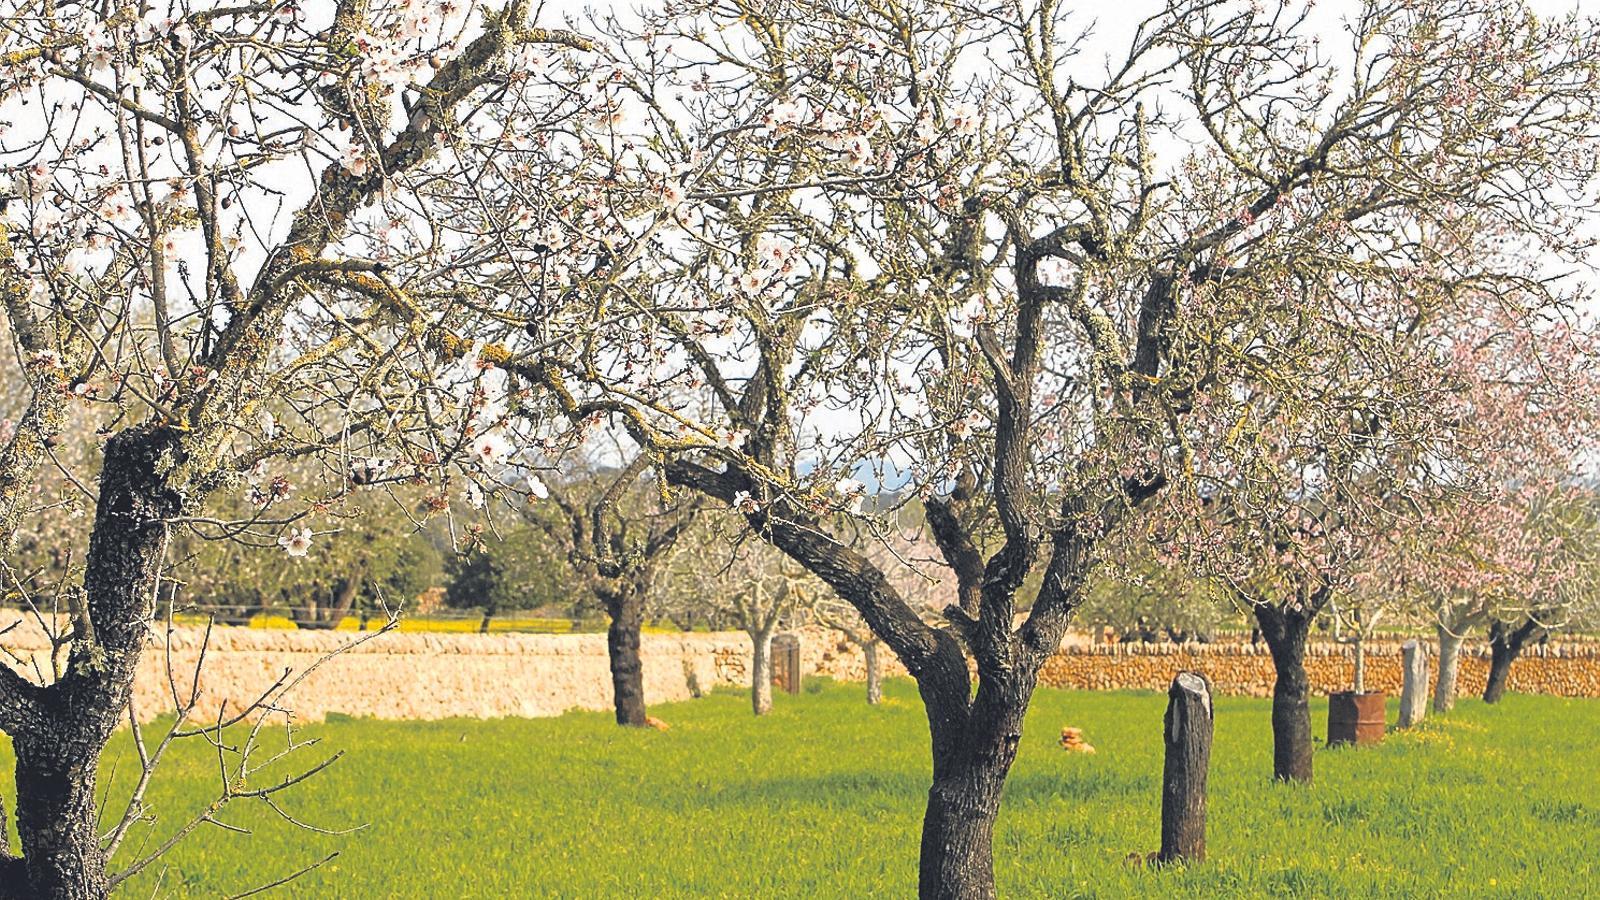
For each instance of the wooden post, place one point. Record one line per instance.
(1183, 781)
(786, 662)
(1414, 695)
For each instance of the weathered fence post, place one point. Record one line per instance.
(786, 662)
(1414, 694)
(1183, 781)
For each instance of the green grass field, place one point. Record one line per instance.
(823, 799)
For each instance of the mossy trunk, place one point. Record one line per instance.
(1286, 632)
(869, 650)
(761, 672)
(626, 609)
(61, 732)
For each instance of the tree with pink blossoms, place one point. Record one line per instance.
(1509, 550)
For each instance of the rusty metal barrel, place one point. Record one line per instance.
(1355, 718)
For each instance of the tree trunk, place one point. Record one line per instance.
(1285, 632)
(1444, 688)
(56, 815)
(969, 771)
(58, 745)
(869, 650)
(626, 609)
(761, 672)
(483, 624)
(345, 600)
(1500, 659)
(1505, 645)
(1361, 666)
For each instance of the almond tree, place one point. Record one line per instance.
(907, 233)
(728, 577)
(1552, 604)
(1511, 545)
(1298, 480)
(219, 235)
(620, 542)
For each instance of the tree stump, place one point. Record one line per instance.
(1414, 694)
(1183, 781)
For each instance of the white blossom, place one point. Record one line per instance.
(297, 542)
(853, 491)
(964, 119)
(355, 160)
(490, 446)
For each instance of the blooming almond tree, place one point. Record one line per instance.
(620, 541)
(929, 235)
(1299, 480)
(1511, 545)
(219, 234)
(732, 577)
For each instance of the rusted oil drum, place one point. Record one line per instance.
(1355, 718)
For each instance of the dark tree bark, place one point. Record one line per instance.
(1188, 760)
(345, 599)
(1285, 630)
(1505, 645)
(61, 730)
(969, 772)
(626, 610)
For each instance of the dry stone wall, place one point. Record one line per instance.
(431, 676)
(407, 675)
(1567, 670)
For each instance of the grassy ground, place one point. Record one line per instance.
(823, 799)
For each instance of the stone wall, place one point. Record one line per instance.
(406, 675)
(1567, 670)
(431, 676)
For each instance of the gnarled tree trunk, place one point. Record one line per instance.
(59, 738)
(969, 771)
(626, 609)
(1505, 645)
(1285, 632)
(56, 774)
(1444, 687)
